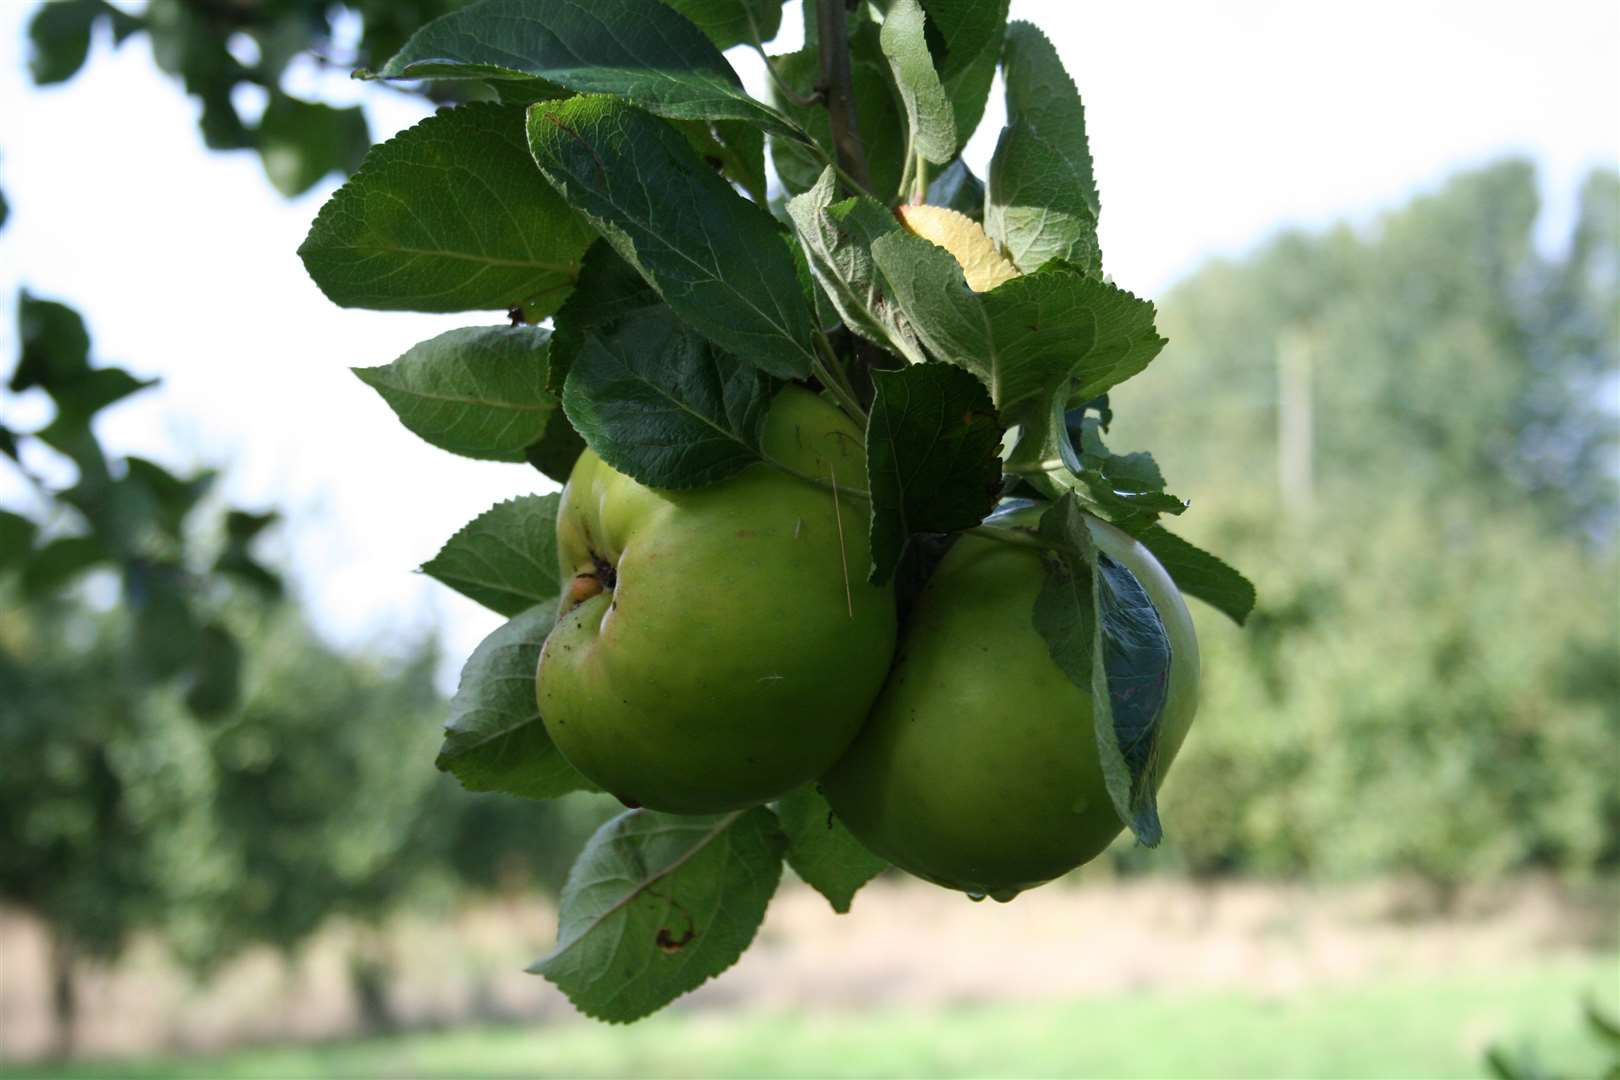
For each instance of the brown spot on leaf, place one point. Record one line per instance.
(670, 944)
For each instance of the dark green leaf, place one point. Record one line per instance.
(55, 344)
(637, 49)
(554, 455)
(1136, 662)
(1129, 487)
(932, 457)
(733, 22)
(662, 405)
(494, 740)
(243, 527)
(449, 215)
(238, 564)
(657, 904)
(928, 108)
(1105, 635)
(16, 539)
(878, 114)
(837, 242)
(1065, 609)
(300, 142)
(79, 399)
(59, 38)
(824, 853)
(609, 289)
(60, 561)
(732, 148)
(506, 557)
(167, 634)
(1043, 202)
(1198, 573)
(216, 673)
(479, 391)
(172, 498)
(714, 257)
(956, 188)
(969, 34)
(1029, 339)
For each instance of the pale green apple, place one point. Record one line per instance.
(719, 646)
(979, 769)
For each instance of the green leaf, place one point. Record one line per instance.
(479, 391)
(448, 216)
(300, 142)
(733, 22)
(241, 529)
(609, 289)
(657, 904)
(216, 673)
(79, 399)
(167, 634)
(714, 257)
(173, 499)
(1136, 660)
(59, 38)
(55, 344)
(1104, 633)
(822, 851)
(878, 114)
(1029, 339)
(1198, 573)
(16, 539)
(554, 455)
(733, 148)
(640, 50)
(1129, 487)
(837, 241)
(956, 188)
(494, 740)
(58, 562)
(928, 109)
(1043, 202)
(968, 34)
(1065, 609)
(933, 460)
(506, 557)
(662, 405)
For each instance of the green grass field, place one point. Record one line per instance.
(1412, 1029)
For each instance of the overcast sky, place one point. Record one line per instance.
(1212, 126)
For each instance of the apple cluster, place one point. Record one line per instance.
(714, 652)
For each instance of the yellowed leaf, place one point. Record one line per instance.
(982, 262)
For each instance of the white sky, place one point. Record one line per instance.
(1212, 126)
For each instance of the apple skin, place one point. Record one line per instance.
(714, 662)
(978, 769)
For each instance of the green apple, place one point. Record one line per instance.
(718, 646)
(979, 769)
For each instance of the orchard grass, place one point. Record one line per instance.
(1415, 1027)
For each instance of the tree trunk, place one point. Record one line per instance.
(64, 997)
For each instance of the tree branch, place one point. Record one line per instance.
(838, 92)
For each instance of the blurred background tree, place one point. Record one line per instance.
(185, 756)
(215, 47)
(1435, 665)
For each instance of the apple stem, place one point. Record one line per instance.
(1015, 537)
(830, 372)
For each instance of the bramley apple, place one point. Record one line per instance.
(718, 646)
(979, 769)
